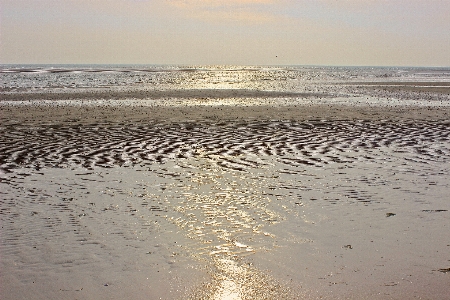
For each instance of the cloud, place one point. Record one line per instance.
(219, 2)
(251, 11)
(412, 32)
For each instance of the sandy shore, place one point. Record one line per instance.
(85, 114)
(112, 94)
(249, 195)
(349, 100)
(414, 86)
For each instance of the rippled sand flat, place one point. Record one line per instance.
(261, 196)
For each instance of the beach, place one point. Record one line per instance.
(224, 183)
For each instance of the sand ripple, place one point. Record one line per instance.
(233, 145)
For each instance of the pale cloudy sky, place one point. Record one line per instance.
(245, 32)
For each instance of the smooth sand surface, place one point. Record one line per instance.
(49, 114)
(416, 87)
(111, 94)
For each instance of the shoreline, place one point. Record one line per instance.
(78, 113)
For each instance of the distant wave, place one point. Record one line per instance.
(106, 69)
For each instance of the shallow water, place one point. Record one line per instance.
(293, 79)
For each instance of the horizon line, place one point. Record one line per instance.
(234, 65)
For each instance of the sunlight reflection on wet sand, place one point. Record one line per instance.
(253, 205)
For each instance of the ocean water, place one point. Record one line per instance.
(217, 208)
(284, 78)
(227, 85)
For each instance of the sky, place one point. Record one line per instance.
(231, 32)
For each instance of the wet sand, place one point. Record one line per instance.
(112, 94)
(407, 90)
(232, 199)
(45, 113)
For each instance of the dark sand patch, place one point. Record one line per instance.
(113, 94)
(84, 114)
(404, 86)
